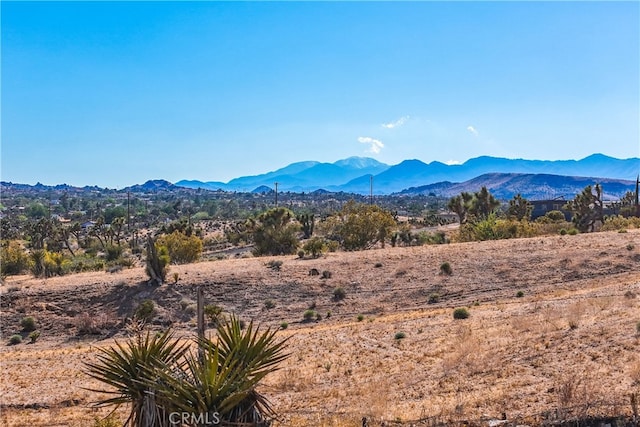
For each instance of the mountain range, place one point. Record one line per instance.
(354, 175)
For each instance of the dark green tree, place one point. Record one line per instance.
(519, 208)
(587, 208)
(483, 204)
(461, 204)
(274, 233)
(307, 222)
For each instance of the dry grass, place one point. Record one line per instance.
(569, 344)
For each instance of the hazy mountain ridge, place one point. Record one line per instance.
(530, 186)
(354, 174)
(534, 179)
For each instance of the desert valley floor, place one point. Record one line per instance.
(569, 342)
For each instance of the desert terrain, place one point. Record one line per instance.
(554, 331)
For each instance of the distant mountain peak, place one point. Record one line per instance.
(359, 162)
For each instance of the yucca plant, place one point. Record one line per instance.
(132, 369)
(255, 354)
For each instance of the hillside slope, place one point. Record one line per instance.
(574, 328)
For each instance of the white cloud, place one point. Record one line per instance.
(453, 162)
(472, 130)
(397, 123)
(374, 145)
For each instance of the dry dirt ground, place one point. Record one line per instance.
(570, 344)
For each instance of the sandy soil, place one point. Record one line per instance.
(569, 344)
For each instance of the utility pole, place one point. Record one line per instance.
(128, 210)
(371, 189)
(276, 194)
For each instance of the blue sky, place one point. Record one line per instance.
(116, 93)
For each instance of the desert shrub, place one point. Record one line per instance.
(113, 252)
(326, 274)
(275, 265)
(284, 325)
(28, 324)
(214, 313)
(86, 324)
(14, 258)
(15, 339)
(182, 249)
(309, 315)
(328, 314)
(47, 264)
(426, 238)
(378, 265)
(145, 311)
(488, 228)
(433, 299)
(572, 232)
(176, 277)
(460, 313)
(359, 226)
(110, 421)
(300, 254)
(445, 268)
(339, 294)
(33, 336)
(563, 232)
(619, 222)
(520, 294)
(315, 246)
(555, 216)
(332, 245)
(360, 317)
(269, 304)
(399, 335)
(630, 246)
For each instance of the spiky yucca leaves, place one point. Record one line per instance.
(210, 385)
(256, 354)
(132, 369)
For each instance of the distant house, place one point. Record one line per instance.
(541, 207)
(87, 225)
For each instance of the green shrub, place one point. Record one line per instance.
(275, 265)
(563, 231)
(33, 336)
(213, 312)
(14, 259)
(400, 335)
(520, 294)
(109, 421)
(378, 265)
(326, 274)
(555, 216)
(145, 311)
(28, 324)
(460, 313)
(360, 317)
(309, 315)
(300, 254)
(445, 268)
(315, 246)
(339, 294)
(572, 232)
(433, 299)
(15, 339)
(113, 252)
(182, 249)
(269, 304)
(284, 325)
